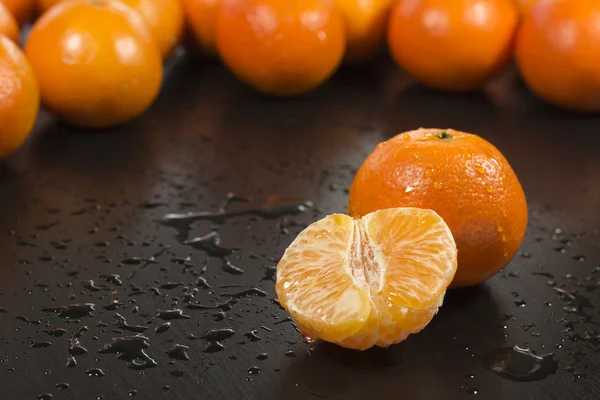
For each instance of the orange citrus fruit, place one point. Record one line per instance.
(8, 25)
(165, 20)
(281, 48)
(524, 5)
(96, 62)
(556, 51)
(19, 97)
(22, 10)
(370, 281)
(201, 22)
(457, 45)
(163, 17)
(462, 177)
(366, 23)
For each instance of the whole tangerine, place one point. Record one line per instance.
(281, 48)
(19, 97)
(556, 52)
(366, 22)
(201, 22)
(22, 10)
(462, 177)
(96, 62)
(164, 18)
(8, 24)
(457, 45)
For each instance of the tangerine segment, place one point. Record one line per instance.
(370, 281)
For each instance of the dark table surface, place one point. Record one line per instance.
(77, 207)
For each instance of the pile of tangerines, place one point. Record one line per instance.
(98, 63)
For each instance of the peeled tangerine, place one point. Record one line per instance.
(367, 282)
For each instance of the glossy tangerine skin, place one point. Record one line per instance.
(22, 10)
(201, 23)
(19, 97)
(164, 18)
(8, 24)
(524, 5)
(366, 22)
(465, 179)
(96, 62)
(281, 48)
(557, 53)
(457, 45)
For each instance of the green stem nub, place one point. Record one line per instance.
(444, 135)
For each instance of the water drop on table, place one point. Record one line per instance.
(254, 370)
(178, 352)
(520, 364)
(469, 389)
(95, 372)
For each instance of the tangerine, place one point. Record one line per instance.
(462, 177)
(366, 22)
(22, 10)
(457, 45)
(370, 281)
(19, 97)
(556, 52)
(96, 62)
(201, 22)
(8, 24)
(281, 48)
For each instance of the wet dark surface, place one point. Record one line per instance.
(103, 299)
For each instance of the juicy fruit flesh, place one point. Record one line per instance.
(366, 282)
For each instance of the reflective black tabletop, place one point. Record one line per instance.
(89, 261)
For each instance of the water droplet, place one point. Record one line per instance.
(56, 332)
(62, 386)
(30, 322)
(211, 245)
(218, 334)
(75, 348)
(254, 370)
(262, 356)
(40, 345)
(95, 372)
(228, 267)
(45, 396)
(520, 303)
(490, 189)
(214, 347)
(131, 349)
(178, 352)
(73, 310)
(438, 185)
(252, 335)
(469, 389)
(162, 328)
(121, 322)
(520, 364)
(168, 315)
